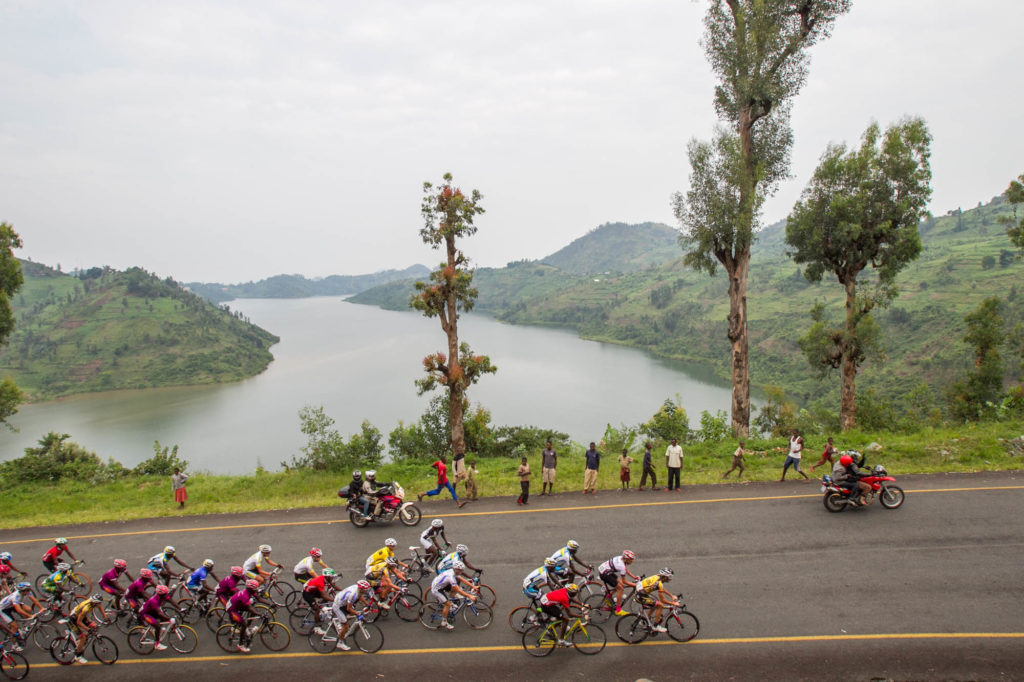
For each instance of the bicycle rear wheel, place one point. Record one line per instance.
(477, 616)
(682, 625)
(43, 634)
(62, 650)
(275, 636)
(125, 621)
(589, 639)
(601, 608)
(522, 618)
(227, 638)
(539, 640)
(13, 665)
(279, 593)
(104, 649)
(191, 612)
(632, 629)
(407, 607)
(325, 643)
(414, 572)
(303, 620)
(368, 638)
(142, 640)
(183, 639)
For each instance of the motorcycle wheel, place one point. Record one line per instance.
(891, 496)
(409, 515)
(357, 519)
(834, 502)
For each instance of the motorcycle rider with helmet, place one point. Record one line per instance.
(848, 475)
(358, 494)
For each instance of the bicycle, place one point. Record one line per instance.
(63, 649)
(367, 637)
(405, 605)
(682, 625)
(13, 665)
(41, 633)
(277, 592)
(602, 606)
(586, 637)
(143, 638)
(418, 566)
(477, 615)
(486, 592)
(60, 604)
(273, 635)
(217, 616)
(79, 583)
(194, 606)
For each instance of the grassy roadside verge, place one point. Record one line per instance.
(974, 447)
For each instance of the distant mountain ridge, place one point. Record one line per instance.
(617, 247)
(298, 286)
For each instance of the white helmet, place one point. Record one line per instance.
(437, 523)
(458, 566)
(390, 542)
(265, 549)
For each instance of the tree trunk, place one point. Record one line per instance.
(848, 395)
(455, 378)
(738, 341)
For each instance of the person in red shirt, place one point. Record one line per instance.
(442, 482)
(50, 558)
(320, 588)
(556, 605)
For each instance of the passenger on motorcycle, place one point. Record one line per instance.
(848, 476)
(370, 490)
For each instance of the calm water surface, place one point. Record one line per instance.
(360, 362)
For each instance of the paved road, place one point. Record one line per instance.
(784, 590)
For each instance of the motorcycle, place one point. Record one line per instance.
(883, 487)
(390, 504)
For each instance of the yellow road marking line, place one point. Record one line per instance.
(492, 513)
(486, 649)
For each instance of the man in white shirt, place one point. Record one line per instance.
(674, 462)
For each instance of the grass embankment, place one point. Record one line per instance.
(982, 447)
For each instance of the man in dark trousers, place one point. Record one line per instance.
(590, 473)
(648, 469)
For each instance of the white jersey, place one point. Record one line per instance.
(537, 578)
(444, 580)
(304, 567)
(614, 564)
(350, 595)
(10, 600)
(562, 556)
(253, 562)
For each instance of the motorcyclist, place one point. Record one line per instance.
(356, 490)
(848, 475)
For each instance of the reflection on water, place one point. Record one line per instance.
(360, 362)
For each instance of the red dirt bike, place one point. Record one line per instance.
(883, 487)
(392, 505)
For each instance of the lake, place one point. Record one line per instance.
(359, 362)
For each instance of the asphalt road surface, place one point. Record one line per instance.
(784, 590)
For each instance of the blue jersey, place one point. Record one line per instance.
(197, 578)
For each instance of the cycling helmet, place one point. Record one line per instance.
(265, 549)
(330, 573)
(371, 474)
(237, 571)
(357, 475)
(163, 590)
(61, 541)
(846, 460)
(628, 555)
(63, 566)
(363, 585)
(437, 523)
(5, 556)
(549, 563)
(316, 552)
(169, 550)
(390, 542)
(23, 586)
(461, 549)
(252, 585)
(572, 545)
(458, 566)
(572, 588)
(96, 598)
(146, 574)
(208, 563)
(120, 564)
(666, 573)
(391, 561)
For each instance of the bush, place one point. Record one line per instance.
(326, 449)
(163, 462)
(714, 428)
(54, 459)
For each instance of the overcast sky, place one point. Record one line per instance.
(229, 141)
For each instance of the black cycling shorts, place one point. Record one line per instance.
(611, 578)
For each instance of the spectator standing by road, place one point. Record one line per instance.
(442, 482)
(624, 461)
(590, 472)
(737, 461)
(524, 481)
(459, 467)
(674, 462)
(648, 466)
(471, 480)
(548, 462)
(796, 448)
(826, 456)
(178, 485)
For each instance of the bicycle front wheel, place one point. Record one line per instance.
(540, 640)
(601, 607)
(215, 618)
(62, 650)
(275, 636)
(13, 665)
(142, 640)
(183, 639)
(191, 612)
(487, 595)
(430, 615)
(104, 649)
(80, 584)
(279, 594)
(632, 629)
(43, 634)
(477, 616)
(682, 626)
(414, 572)
(368, 638)
(588, 639)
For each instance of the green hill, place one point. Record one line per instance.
(673, 311)
(618, 247)
(297, 286)
(103, 329)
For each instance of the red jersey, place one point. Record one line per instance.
(315, 585)
(53, 553)
(556, 597)
(442, 472)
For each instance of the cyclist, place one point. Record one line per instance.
(458, 555)
(428, 541)
(447, 582)
(81, 622)
(379, 577)
(304, 569)
(556, 605)
(196, 583)
(227, 587)
(135, 595)
(160, 564)
(6, 566)
(613, 572)
(238, 606)
(377, 559)
(564, 558)
(108, 581)
(344, 606)
(55, 582)
(254, 565)
(14, 605)
(150, 614)
(651, 594)
(60, 545)
(542, 577)
(320, 588)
